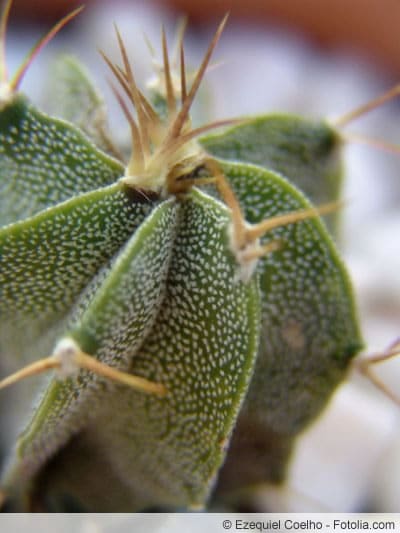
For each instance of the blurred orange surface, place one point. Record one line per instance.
(368, 25)
(371, 26)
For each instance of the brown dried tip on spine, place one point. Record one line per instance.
(136, 162)
(180, 34)
(68, 359)
(135, 97)
(364, 366)
(148, 121)
(179, 49)
(183, 73)
(169, 88)
(183, 114)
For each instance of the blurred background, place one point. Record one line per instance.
(317, 59)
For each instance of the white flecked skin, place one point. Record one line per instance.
(44, 162)
(168, 306)
(202, 347)
(118, 309)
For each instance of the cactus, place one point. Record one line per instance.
(193, 301)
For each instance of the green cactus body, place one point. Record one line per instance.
(136, 267)
(309, 331)
(304, 151)
(45, 161)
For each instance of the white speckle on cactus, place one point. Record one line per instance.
(46, 161)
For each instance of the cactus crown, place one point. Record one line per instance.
(165, 156)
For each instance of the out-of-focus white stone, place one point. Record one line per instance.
(385, 490)
(336, 459)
